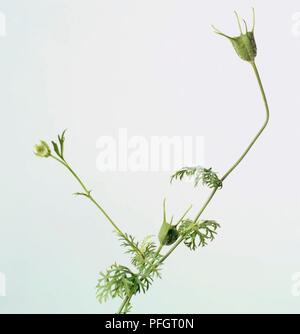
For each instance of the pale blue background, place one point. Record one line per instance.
(156, 68)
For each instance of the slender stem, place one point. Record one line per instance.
(77, 178)
(106, 215)
(210, 197)
(236, 164)
(125, 303)
(87, 193)
(177, 243)
(183, 216)
(151, 265)
(149, 269)
(261, 129)
(214, 191)
(59, 160)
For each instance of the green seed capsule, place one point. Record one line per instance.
(244, 45)
(168, 233)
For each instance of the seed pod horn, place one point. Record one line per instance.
(244, 44)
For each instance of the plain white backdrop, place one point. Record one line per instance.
(156, 69)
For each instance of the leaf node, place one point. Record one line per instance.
(198, 234)
(207, 176)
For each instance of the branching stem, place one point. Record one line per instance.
(151, 267)
(214, 191)
(87, 193)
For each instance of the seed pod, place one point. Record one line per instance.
(168, 233)
(244, 45)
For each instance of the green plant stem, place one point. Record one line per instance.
(230, 170)
(87, 194)
(210, 197)
(261, 129)
(152, 264)
(125, 303)
(149, 269)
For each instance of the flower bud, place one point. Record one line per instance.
(244, 45)
(42, 150)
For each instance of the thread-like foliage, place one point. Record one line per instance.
(120, 281)
(198, 234)
(142, 254)
(146, 259)
(117, 281)
(207, 176)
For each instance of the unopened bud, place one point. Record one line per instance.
(42, 150)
